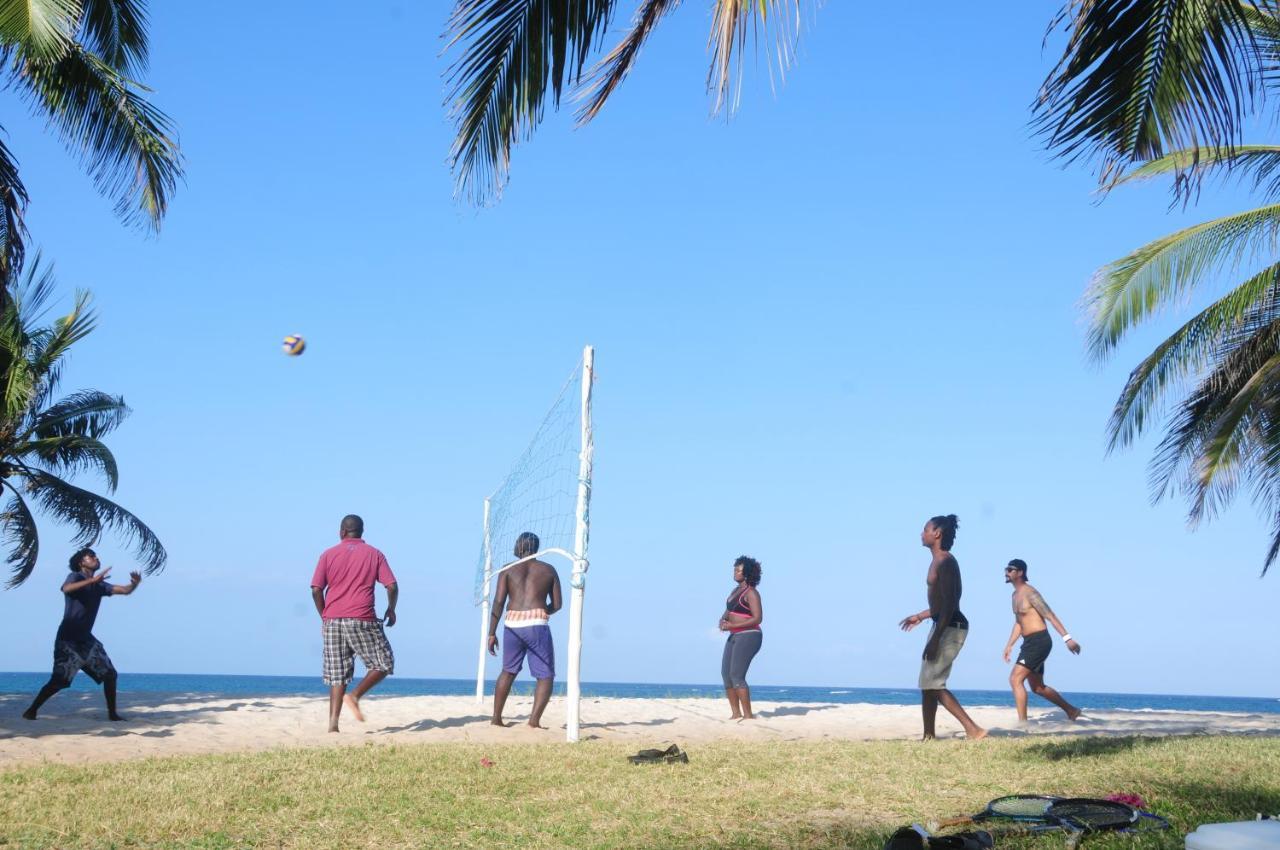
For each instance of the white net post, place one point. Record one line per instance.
(581, 536)
(484, 607)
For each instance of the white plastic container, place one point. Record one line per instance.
(1245, 835)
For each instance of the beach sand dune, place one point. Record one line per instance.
(73, 727)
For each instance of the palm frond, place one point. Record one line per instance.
(44, 28)
(87, 413)
(116, 31)
(1213, 441)
(20, 535)
(124, 142)
(70, 454)
(514, 51)
(1139, 77)
(91, 514)
(732, 22)
(13, 227)
(20, 379)
(1186, 353)
(1188, 167)
(1131, 289)
(610, 71)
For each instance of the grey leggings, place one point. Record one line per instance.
(739, 649)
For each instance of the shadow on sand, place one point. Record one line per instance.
(86, 714)
(793, 710)
(428, 724)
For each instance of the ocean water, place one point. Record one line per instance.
(268, 686)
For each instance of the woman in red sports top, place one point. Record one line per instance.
(742, 617)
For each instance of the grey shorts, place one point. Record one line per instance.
(933, 674)
(344, 639)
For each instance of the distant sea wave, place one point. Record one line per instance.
(263, 686)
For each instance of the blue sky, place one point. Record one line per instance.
(853, 306)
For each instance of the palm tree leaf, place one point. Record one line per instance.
(13, 227)
(732, 20)
(71, 453)
(513, 52)
(610, 71)
(87, 413)
(42, 27)
(90, 514)
(1213, 439)
(19, 529)
(1131, 289)
(124, 142)
(1261, 162)
(116, 31)
(1185, 353)
(1138, 77)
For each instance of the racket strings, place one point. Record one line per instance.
(1021, 807)
(1092, 814)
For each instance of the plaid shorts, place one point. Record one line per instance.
(344, 638)
(70, 657)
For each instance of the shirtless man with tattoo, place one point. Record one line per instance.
(1030, 612)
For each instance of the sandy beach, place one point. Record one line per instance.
(73, 728)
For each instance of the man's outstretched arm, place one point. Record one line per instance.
(1037, 602)
(135, 579)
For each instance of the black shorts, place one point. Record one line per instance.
(1035, 649)
(70, 657)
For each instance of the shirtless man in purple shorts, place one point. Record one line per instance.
(531, 593)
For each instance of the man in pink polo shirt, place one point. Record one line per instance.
(342, 589)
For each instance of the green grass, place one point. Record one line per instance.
(812, 796)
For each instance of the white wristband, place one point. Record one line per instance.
(1066, 638)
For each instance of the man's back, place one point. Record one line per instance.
(530, 586)
(349, 571)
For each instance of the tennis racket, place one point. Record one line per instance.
(1079, 815)
(1015, 807)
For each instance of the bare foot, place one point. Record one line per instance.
(353, 705)
(748, 717)
(29, 714)
(533, 725)
(978, 735)
(926, 737)
(333, 727)
(735, 716)
(1072, 715)
(497, 721)
(114, 716)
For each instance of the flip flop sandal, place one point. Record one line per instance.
(669, 755)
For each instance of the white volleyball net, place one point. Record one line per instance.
(547, 493)
(540, 493)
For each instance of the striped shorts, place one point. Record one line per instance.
(344, 639)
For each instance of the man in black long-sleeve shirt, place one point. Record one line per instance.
(75, 648)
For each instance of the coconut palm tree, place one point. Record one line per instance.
(1139, 79)
(45, 441)
(74, 62)
(1215, 382)
(1136, 80)
(516, 52)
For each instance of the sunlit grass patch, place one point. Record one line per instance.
(811, 795)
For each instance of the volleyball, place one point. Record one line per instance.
(294, 345)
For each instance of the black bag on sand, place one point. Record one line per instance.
(670, 755)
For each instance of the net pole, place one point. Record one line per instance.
(581, 536)
(484, 608)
